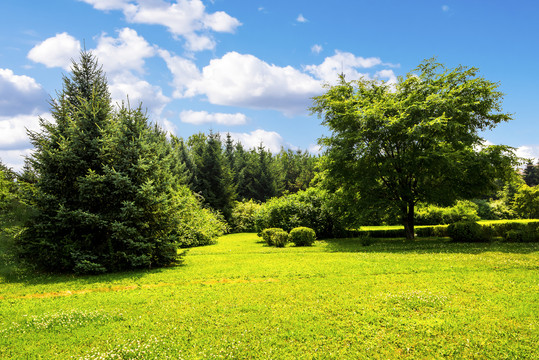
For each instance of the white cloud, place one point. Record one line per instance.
(301, 19)
(138, 90)
(342, 62)
(126, 52)
(56, 51)
(528, 152)
(271, 140)
(203, 117)
(13, 130)
(315, 149)
(183, 18)
(244, 80)
(387, 75)
(20, 94)
(316, 49)
(14, 159)
(184, 71)
(445, 8)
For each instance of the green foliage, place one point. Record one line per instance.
(526, 203)
(366, 240)
(107, 197)
(428, 231)
(279, 238)
(531, 174)
(416, 141)
(310, 208)
(437, 215)
(267, 235)
(302, 236)
(467, 231)
(244, 215)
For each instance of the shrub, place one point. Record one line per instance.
(438, 231)
(435, 215)
(302, 236)
(525, 233)
(467, 231)
(526, 202)
(267, 235)
(243, 216)
(310, 208)
(279, 238)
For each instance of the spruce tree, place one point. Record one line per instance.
(106, 197)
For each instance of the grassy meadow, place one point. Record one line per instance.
(242, 299)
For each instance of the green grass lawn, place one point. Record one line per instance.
(242, 299)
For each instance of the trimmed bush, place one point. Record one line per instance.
(437, 231)
(267, 235)
(279, 238)
(436, 215)
(302, 236)
(311, 208)
(467, 231)
(525, 233)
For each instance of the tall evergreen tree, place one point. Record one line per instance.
(106, 198)
(531, 174)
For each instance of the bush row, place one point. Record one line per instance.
(300, 236)
(465, 231)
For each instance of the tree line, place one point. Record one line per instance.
(223, 171)
(107, 190)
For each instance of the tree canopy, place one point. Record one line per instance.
(419, 140)
(109, 194)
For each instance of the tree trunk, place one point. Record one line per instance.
(408, 217)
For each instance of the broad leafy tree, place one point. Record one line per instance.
(419, 140)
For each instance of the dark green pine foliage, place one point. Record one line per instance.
(531, 174)
(105, 198)
(266, 185)
(214, 181)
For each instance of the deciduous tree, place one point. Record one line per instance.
(419, 140)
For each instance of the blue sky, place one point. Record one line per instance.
(250, 67)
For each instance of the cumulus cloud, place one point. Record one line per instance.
(301, 19)
(316, 49)
(126, 52)
(342, 62)
(203, 117)
(126, 84)
(14, 159)
(13, 130)
(528, 152)
(244, 80)
(56, 51)
(271, 140)
(184, 72)
(20, 94)
(183, 18)
(387, 75)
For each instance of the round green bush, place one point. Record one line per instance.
(279, 238)
(267, 234)
(302, 236)
(467, 231)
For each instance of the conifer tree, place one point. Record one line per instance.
(106, 198)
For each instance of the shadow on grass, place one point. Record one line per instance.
(428, 246)
(12, 271)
